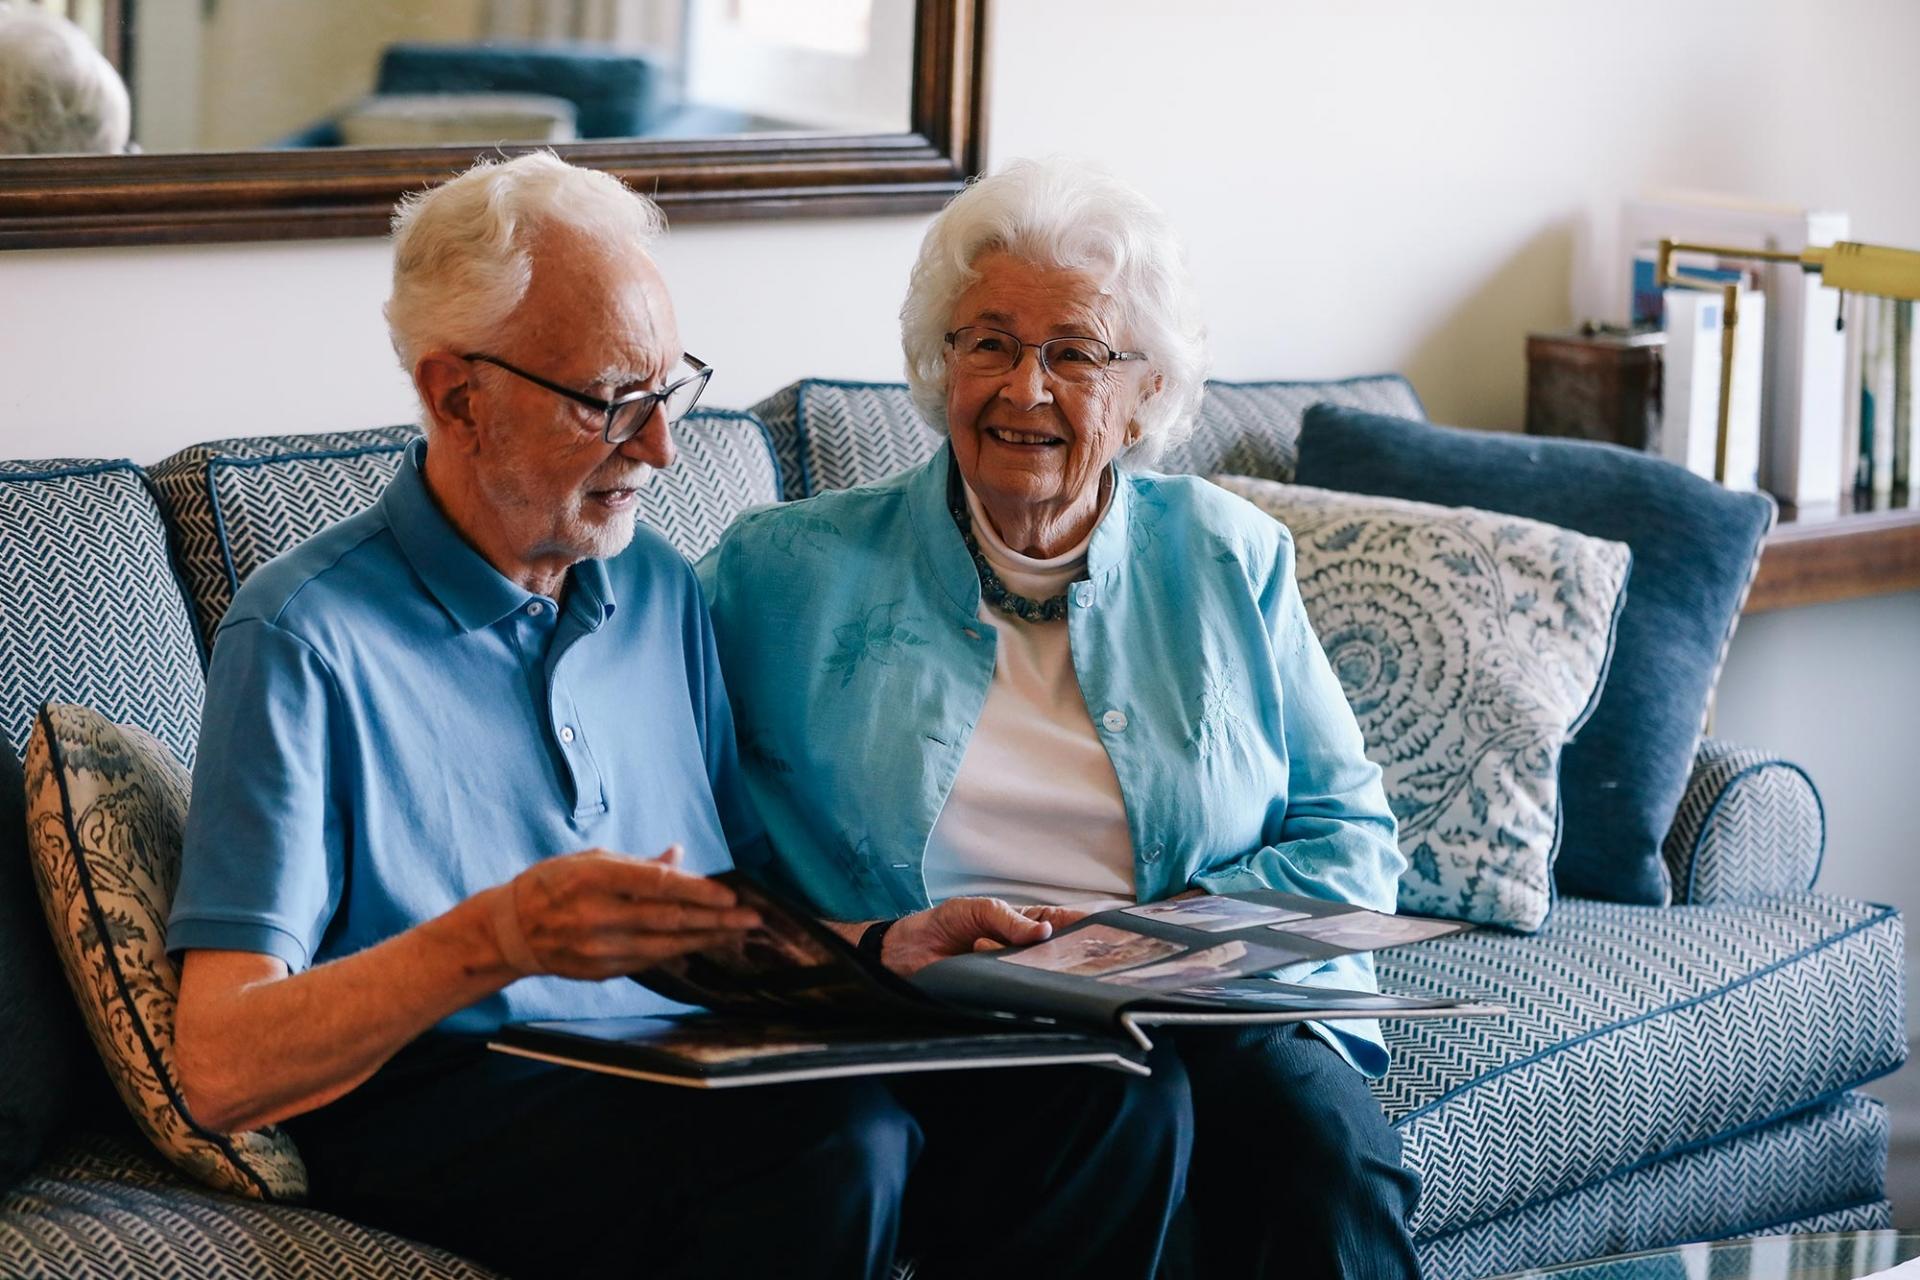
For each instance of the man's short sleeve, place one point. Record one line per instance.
(262, 867)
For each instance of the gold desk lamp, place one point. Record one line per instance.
(1846, 266)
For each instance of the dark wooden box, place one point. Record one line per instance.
(1595, 384)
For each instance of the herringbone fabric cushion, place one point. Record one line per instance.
(1253, 428)
(100, 1210)
(1830, 1156)
(725, 465)
(1631, 1032)
(89, 607)
(1749, 825)
(835, 435)
(236, 504)
(106, 806)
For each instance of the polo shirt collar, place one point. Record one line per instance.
(473, 593)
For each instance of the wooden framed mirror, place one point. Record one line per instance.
(739, 159)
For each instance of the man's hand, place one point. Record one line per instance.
(1057, 917)
(960, 925)
(596, 914)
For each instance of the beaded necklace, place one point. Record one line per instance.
(992, 589)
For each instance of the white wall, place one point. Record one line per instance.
(1380, 184)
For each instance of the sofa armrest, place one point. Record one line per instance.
(1750, 824)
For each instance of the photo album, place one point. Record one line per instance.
(792, 1000)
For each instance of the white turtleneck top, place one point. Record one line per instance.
(1035, 814)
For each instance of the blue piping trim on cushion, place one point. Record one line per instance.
(1885, 913)
(1824, 1100)
(1761, 1228)
(766, 440)
(100, 467)
(309, 455)
(1706, 823)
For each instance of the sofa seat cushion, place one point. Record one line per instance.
(1632, 1034)
(1828, 1158)
(834, 435)
(99, 1208)
(236, 504)
(89, 608)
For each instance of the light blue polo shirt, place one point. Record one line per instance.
(392, 726)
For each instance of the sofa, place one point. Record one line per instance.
(1664, 1073)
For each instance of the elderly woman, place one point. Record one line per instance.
(1030, 670)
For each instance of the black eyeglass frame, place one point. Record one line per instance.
(1020, 346)
(703, 372)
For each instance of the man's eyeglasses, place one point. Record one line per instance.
(625, 415)
(991, 352)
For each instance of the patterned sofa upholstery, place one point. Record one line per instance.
(1665, 1074)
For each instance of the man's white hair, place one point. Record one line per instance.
(1064, 213)
(58, 94)
(462, 251)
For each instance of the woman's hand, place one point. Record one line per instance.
(962, 925)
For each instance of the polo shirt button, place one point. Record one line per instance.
(1114, 720)
(566, 733)
(535, 609)
(1083, 594)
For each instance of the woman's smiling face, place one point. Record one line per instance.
(1032, 445)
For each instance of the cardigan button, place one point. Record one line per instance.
(1083, 594)
(1153, 852)
(1114, 720)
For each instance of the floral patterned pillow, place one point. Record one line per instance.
(1471, 645)
(106, 805)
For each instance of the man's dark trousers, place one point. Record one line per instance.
(538, 1170)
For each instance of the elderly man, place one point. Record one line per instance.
(437, 735)
(58, 94)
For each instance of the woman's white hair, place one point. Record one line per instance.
(1064, 213)
(462, 251)
(58, 93)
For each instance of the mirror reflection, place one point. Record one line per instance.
(242, 75)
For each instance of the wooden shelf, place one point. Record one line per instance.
(1842, 552)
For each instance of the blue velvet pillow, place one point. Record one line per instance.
(41, 1040)
(1695, 546)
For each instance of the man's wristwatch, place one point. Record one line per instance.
(874, 938)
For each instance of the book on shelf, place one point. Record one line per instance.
(1804, 351)
(791, 1000)
(1880, 389)
(1689, 431)
(1906, 394)
(1851, 390)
